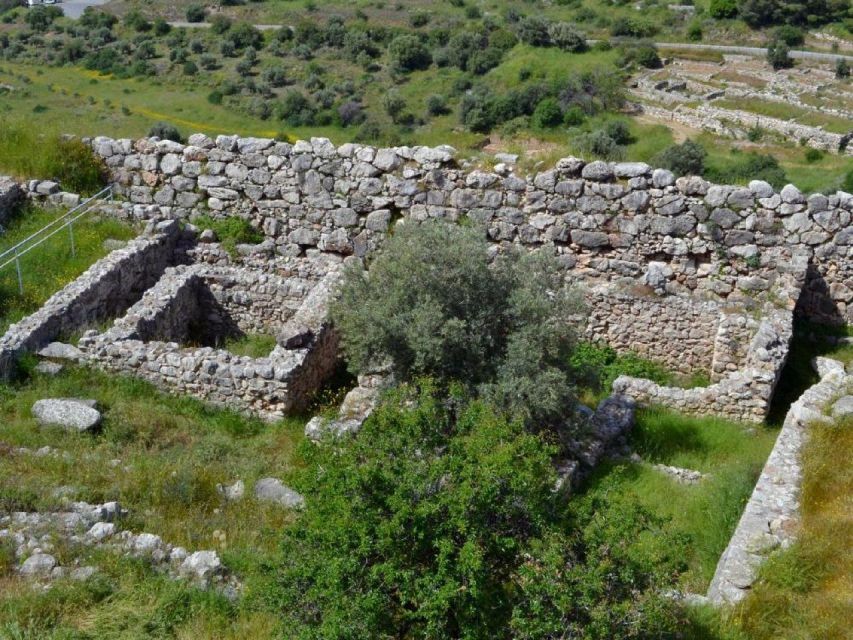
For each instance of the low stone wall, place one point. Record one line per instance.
(769, 519)
(11, 196)
(144, 343)
(744, 395)
(105, 290)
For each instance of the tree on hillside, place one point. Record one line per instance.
(408, 53)
(722, 9)
(778, 55)
(842, 69)
(685, 159)
(434, 304)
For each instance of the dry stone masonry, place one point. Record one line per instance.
(702, 277)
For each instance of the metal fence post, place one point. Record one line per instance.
(20, 277)
(71, 233)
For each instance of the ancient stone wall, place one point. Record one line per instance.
(619, 223)
(146, 342)
(11, 195)
(106, 289)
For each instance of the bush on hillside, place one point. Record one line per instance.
(505, 328)
(165, 131)
(548, 114)
(722, 9)
(778, 55)
(408, 53)
(440, 519)
(599, 144)
(740, 167)
(567, 37)
(533, 31)
(685, 159)
(842, 69)
(196, 13)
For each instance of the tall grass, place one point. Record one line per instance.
(807, 590)
(731, 455)
(51, 266)
(27, 152)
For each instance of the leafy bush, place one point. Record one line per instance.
(600, 145)
(722, 9)
(504, 328)
(408, 53)
(597, 366)
(440, 518)
(813, 155)
(437, 105)
(219, 24)
(548, 114)
(842, 69)
(633, 27)
(165, 131)
(750, 166)
(230, 230)
(790, 35)
(685, 159)
(196, 13)
(534, 31)
(566, 37)
(778, 55)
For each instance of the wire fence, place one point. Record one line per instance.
(14, 254)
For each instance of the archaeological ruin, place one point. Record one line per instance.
(703, 278)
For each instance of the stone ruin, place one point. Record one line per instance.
(701, 277)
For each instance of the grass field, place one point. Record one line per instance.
(171, 453)
(49, 267)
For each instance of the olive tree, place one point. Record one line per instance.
(434, 304)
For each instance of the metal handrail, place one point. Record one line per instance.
(64, 221)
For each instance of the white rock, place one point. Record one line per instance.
(38, 565)
(273, 490)
(101, 531)
(69, 414)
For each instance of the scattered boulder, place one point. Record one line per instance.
(38, 565)
(48, 368)
(70, 414)
(232, 492)
(200, 566)
(273, 490)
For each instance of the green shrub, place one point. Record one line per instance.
(440, 518)
(230, 231)
(534, 31)
(566, 37)
(813, 155)
(548, 114)
(600, 145)
(408, 53)
(842, 69)
(596, 366)
(722, 9)
(778, 55)
(790, 35)
(196, 13)
(505, 329)
(165, 131)
(847, 183)
(685, 159)
(694, 32)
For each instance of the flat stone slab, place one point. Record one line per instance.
(71, 414)
(274, 490)
(48, 368)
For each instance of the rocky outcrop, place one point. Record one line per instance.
(11, 196)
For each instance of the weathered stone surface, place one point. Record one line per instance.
(273, 490)
(71, 415)
(843, 407)
(38, 565)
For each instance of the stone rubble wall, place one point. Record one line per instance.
(607, 221)
(743, 395)
(145, 343)
(735, 123)
(769, 519)
(105, 290)
(677, 332)
(11, 196)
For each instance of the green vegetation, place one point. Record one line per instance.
(703, 515)
(230, 231)
(440, 521)
(505, 328)
(25, 152)
(51, 266)
(253, 346)
(805, 591)
(172, 452)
